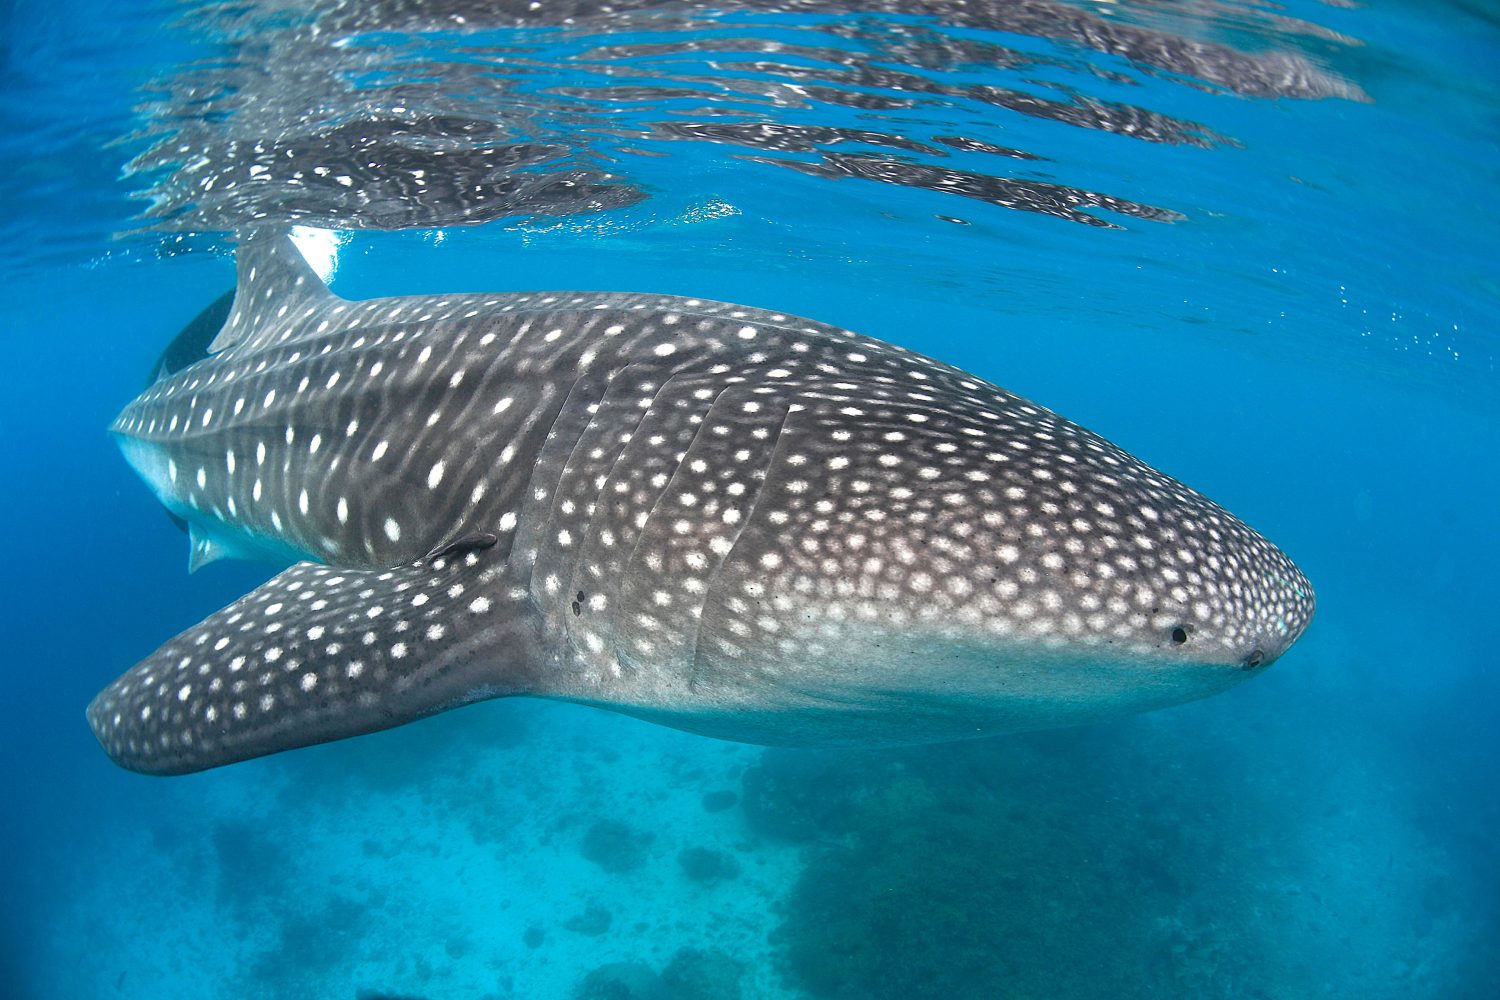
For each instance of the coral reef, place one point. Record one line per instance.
(702, 974)
(621, 981)
(692, 974)
(614, 846)
(703, 864)
(593, 921)
(719, 801)
(955, 873)
(803, 796)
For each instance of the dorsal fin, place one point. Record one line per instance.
(275, 291)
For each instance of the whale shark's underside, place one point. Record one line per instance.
(724, 519)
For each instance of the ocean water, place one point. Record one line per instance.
(1254, 244)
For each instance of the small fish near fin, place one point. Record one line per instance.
(276, 290)
(315, 654)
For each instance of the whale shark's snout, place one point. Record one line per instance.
(730, 520)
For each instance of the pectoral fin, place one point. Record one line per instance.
(313, 655)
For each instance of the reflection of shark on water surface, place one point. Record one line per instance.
(392, 115)
(720, 518)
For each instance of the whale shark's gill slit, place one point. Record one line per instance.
(743, 505)
(670, 428)
(639, 466)
(661, 588)
(580, 560)
(550, 521)
(693, 524)
(315, 654)
(808, 565)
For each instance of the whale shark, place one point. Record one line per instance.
(725, 519)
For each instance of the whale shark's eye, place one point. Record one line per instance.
(1179, 635)
(1255, 659)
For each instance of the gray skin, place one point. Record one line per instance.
(723, 519)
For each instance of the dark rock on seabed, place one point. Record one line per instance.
(614, 846)
(702, 864)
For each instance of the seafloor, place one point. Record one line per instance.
(528, 849)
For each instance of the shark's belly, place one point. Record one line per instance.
(878, 686)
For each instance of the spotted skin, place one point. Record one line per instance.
(728, 520)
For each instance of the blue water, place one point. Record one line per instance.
(1310, 339)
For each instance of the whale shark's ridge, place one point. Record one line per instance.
(723, 518)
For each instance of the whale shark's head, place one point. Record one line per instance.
(984, 561)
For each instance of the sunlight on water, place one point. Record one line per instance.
(320, 248)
